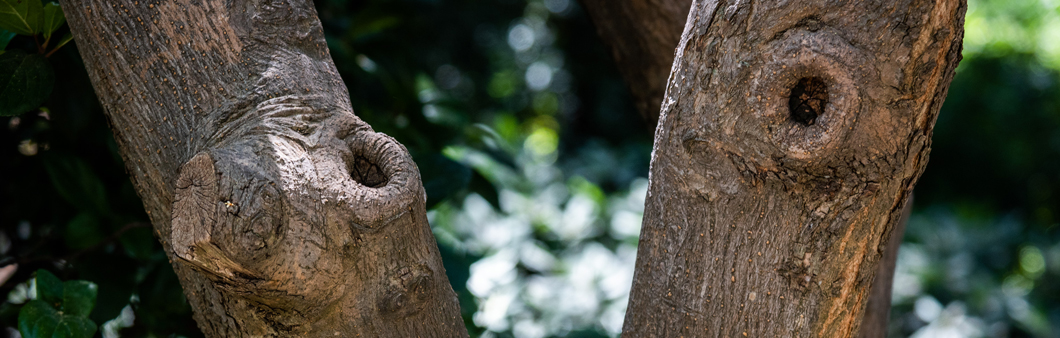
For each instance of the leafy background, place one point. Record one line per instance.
(535, 165)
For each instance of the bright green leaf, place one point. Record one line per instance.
(49, 288)
(25, 81)
(53, 19)
(79, 297)
(21, 16)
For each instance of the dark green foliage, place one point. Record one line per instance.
(25, 81)
(52, 19)
(21, 16)
(60, 310)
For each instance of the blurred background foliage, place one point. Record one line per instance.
(535, 165)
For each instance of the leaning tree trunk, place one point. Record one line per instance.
(790, 138)
(642, 35)
(282, 213)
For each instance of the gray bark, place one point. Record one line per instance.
(790, 138)
(282, 213)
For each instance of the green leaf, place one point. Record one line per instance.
(5, 37)
(49, 288)
(25, 81)
(53, 19)
(21, 16)
(74, 327)
(76, 183)
(39, 320)
(79, 297)
(83, 231)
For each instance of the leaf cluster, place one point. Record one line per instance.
(26, 79)
(61, 309)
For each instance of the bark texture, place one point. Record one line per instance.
(642, 35)
(789, 142)
(282, 213)
(878, 308)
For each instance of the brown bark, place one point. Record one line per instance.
(282, 213)
(641, 35)
(878, 307)
(790, 139)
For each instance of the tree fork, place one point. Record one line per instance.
(282, 213)
(789, 142)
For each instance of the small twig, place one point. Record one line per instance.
(40, 49)
(52, 52)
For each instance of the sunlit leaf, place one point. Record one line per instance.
(25, 82)
(53, 19)
(21, 16)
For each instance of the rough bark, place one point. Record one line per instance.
(642, 35)
(789, 141)
(878, 308)
(282, 213)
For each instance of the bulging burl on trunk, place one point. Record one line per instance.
(281, 218)
(283, 214)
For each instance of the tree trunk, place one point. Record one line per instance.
(282, 213)
(642, 35)
(878, 307)
(790, 138)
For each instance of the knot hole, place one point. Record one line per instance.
(367, 173)
(808, 99)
